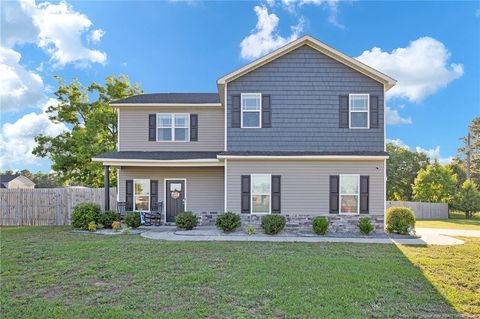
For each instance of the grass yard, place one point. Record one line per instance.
(456, 220)
(49, 273)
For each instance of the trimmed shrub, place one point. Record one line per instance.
(92, 226)
(400, 220)
(186, 220)
(132, 219)
(273, 224)
(250, 230)
(320, 225)
(107, 218)
(365, 225)
(85, 213)
(228, 222)
(116, 225)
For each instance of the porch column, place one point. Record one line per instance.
(106, 184)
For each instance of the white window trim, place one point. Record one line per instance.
(350, 111)
(250, 111)
(135, 195)
(340, 194)
(269, 195)
(172, 116)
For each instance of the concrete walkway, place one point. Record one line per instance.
(428, 236)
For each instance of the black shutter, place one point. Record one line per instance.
(276, 194)
(266, 111)
(364, 194)
(343, 112)
(334, 193)
(245, 195)
(152, 127)
(153, 195)
(374, 111)
(194, 127)
(129, 195)
(236, 111)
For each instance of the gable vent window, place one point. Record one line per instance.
(173, 127)
(251, 110)
(359, 109)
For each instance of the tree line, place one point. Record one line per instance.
(412, 177)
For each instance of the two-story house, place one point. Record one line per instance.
(299, 132)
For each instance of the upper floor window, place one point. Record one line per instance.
(251, 104)
(358, 104)
(173, 127)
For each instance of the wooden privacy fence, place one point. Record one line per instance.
(424, 210)
(47, 206)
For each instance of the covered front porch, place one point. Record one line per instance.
(166, 184)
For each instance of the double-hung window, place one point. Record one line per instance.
(251, 104)
(261, 193)
(173, 127)
(141, 193)
(359, 109)
(349, 194)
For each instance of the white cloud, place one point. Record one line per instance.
(56, 28)
(393, 117)
(19, 87)
(434, 154)
(17, 140)
(421, 68)
(332, 6)
(96, 35)
(265, 38)
(398, 142)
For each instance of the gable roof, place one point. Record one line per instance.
(317, 45)
(5, 179)
(210, 99)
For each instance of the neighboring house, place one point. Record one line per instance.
(299, 132)
(15, 181)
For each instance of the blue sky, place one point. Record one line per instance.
(431, 48)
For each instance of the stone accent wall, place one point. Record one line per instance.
(302, 222)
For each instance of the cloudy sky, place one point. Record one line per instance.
(431, 48)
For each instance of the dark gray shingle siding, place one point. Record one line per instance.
(305, 86)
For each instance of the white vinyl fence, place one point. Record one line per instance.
(424, 210)
(47, 206)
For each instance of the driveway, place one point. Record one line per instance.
(434, 236)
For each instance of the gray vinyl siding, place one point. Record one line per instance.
(204, 185)
(304, 87)
(133, 129)
(305, 184)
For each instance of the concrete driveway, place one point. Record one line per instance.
(433, 236)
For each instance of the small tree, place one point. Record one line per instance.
(467, 198)
(435, 184)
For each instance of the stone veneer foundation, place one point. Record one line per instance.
(337, 223)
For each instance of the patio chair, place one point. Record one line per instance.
(121, 208)
(154, 217)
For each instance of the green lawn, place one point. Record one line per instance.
(456, 220)
(49, 273)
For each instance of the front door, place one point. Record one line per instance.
(175, 194)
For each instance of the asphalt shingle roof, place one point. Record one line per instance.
(188, 98)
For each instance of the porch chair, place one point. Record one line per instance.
(154, 217)
(121, 208)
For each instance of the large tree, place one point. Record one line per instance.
(467, 199)
(92, 122)
(402, 168)
(472, 145)
(435, 184)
